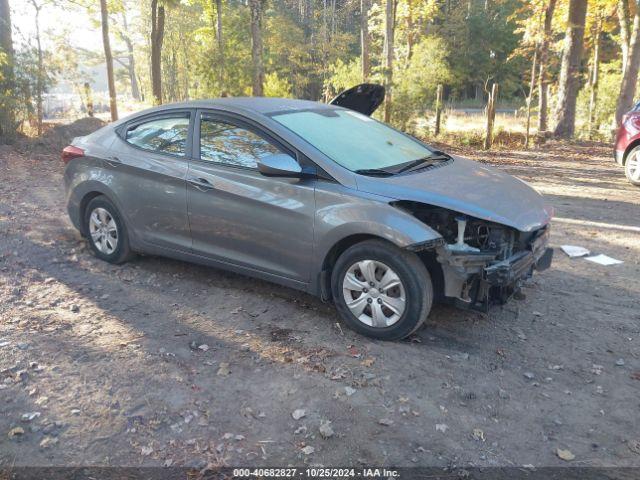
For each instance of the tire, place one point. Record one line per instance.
(105, 244)
(382, 316)
(632, 167)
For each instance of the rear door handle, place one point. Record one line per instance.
(113, 161)
(201, 184)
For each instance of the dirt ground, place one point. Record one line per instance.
(159, 362)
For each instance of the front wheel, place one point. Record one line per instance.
(632, 167)
(381, 291)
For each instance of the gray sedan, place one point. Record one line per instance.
(320, 198)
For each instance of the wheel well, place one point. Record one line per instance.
(83, 206)
(430, 260)
(630, 147)
(332, 256)
(428, 257)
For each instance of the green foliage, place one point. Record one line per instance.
(26, 78)
(418, 78)
(274, 86)
(608, 90)
(311, 49)
(343, 75)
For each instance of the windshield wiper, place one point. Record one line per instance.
(420, 162)
(374, 172)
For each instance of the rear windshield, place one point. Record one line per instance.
(353, 140)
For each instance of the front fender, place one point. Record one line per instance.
(365, 215)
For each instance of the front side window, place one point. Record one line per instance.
(353, 140)
(223, 142)
(163, 135)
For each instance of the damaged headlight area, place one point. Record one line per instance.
(483, 263)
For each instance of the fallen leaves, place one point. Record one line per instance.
(48, 442)
(325, 430)
(298, 413)
(16, 432)
(478, 435)
(565, 455)
(29, 416)
(368, 362)
(308, 450)
(224, 370)
(442, 427)
(634, 446)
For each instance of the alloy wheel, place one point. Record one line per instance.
(103, 231)
(633, 167)
(374, 293)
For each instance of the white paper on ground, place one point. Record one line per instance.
(603, 260)
(575, 251)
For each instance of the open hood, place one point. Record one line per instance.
(467, 187)
(364, 98)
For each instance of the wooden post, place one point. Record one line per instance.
(593, 81)
(88, 99)
(491, 116)
(530, 97)
(438, 109)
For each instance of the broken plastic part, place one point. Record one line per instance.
(460, 246)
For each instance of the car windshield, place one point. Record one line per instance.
(353, 140)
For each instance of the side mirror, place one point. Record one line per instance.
(279, 165)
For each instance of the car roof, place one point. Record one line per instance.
(260, 105)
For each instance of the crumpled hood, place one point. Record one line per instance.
(467, 187)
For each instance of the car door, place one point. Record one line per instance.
(236, 214)
(149, 167)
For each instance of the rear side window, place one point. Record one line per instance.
(223, 142)
(162, 135)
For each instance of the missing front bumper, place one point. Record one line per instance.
(517, 267)
(472, 282)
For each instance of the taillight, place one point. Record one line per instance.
(70, 152)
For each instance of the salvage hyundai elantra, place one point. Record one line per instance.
(321, 198)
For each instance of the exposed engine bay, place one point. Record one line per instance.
(483, 263)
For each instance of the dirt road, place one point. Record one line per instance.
(159, 362)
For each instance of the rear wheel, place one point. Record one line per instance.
(632, 166)
(106, 232)
(381, 291)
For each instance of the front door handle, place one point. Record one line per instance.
(201, 184)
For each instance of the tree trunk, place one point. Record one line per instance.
(410, 38)
(40, 74)
(530, 96)
(439, 90)
(569, 74)
(131, 61)
(365, 39)
(256, 46)
(593, 79)
(7, 77)
(157, 37)
(543, 81)
(630, 77)
(622, 10)
(88, 98)
(390, 20)
(491, 116)
(220, 44)
(104, 16)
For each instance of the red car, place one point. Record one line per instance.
(627, 149)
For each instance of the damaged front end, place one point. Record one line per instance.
(483, 263)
